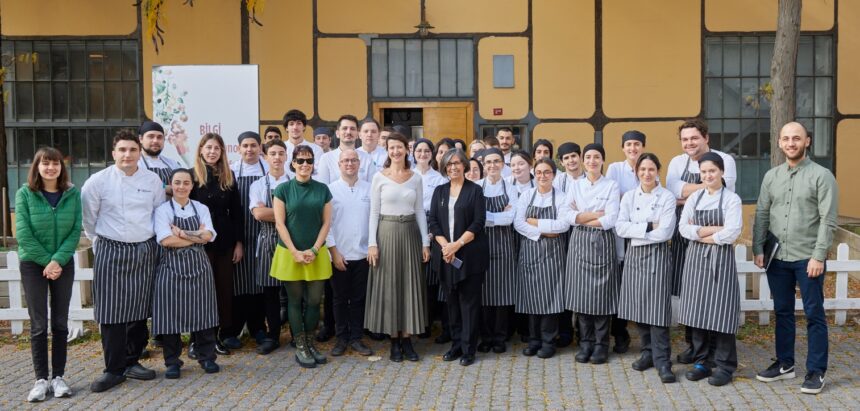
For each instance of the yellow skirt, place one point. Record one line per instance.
(285, 268)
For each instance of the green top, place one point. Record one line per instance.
(798, 205)
(47, 233)
(305, 203)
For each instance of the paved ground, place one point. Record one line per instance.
(506, 381)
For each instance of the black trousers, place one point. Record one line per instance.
(464, 312)
(204, 346)
(248, 309)
(272, 304)
(655, 340)
(565, 324)
(36, 290)
(720, 347)
(329, 321)
(593, 330)
(618, 326)
(349, 289)
(122, 344)
(494, 323)
(222, 268)
(543, 328)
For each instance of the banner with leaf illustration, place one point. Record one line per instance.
(190, 101)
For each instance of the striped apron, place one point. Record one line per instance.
(266, 242)
(184, 293)
(679, 243)
(244, 272)
(646, 292)
(710, 294)
(500, 281)
(540, 268)
(122, 280)
(163, 173)
(592, 281)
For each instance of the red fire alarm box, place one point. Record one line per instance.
(498, 111)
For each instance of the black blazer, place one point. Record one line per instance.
(225, 208)
(469, 215)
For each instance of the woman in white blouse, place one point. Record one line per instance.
(521, 171)
(710, 295)
(398, 243)
(592, 280)
(647, 220)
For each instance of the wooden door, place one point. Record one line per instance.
(440, 119)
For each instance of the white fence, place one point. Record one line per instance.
(763, 305)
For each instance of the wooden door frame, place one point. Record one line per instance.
(469, 105)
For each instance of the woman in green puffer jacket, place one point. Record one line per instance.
(48, 228)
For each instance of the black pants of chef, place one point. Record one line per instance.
(122, 344)
(272, 305)
(248, 309)
(329, 320)
(721, 348)
(222, 268)
(204, 346)
(349, 290)
(655, 341)
(464, 312)
(565, 324)
(494, 324)
(543, 328)
(618, 326)
(593, 330)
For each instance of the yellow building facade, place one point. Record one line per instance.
(564, 70)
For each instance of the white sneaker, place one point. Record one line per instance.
(60, 388)
(39, 391)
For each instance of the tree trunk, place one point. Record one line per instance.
(782, 70)
(4, 172)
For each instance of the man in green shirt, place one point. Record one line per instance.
(797, 204)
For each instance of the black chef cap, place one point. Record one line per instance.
(249, 134)
(148, 126)
(633, 135)
(595, 146)
(492, 150)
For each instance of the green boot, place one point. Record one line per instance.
(303, 355)
(319, 358)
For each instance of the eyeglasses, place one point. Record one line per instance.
(301, 161)
(349, 160)
(453, 163)
(492, 161)
(544, 172)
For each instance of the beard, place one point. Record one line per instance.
(799, 156)
(152, 153)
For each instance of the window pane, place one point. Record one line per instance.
(61, 142)
(731, 97)
(765, 56)
(113, 100)
(59, 61)
(79, 147)
(78, 101)
(749, 56)
(822, 137)
(713, 98)
(764, 138)
(804, 96)
(60, 101)
(823, 56)
(764, 108)
(823, 96)
(112, 60)
(41, 60)
(715, 134)
(77, 60)
(95, 96)
(379, 63)
(95, 61)
(396, 60)
(11, 101)
(130, 101)
(465, 70)
(8, 55)
(749, 138)
(97, 147)
(129, 61)
(804, 56)
(713, 57)
(751, 98)
(42, 95)
(731, 133)
(431, 68)
(448, 65)
(11, 152)
(23, 60)
(24, 100)
(413, 68)
(731, 56)
(43, 138)
(25, 146)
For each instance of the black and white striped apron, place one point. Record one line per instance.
(500, 282)
(592, 280)
(122, 280)
(244, 272)
(679, 243)
(646, 292)
(267, 240)
(184, 294)
(710, 294)
(540, 268)
(163, 173)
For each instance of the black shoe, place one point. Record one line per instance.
(139, 372)
(813, 383)
(485, 346)
(267, 346)
(443, 338)
(408, 351)
(324, 334)
(452, 354)
(600, 355)
(546, 351)
(375, 336)
(192, 352)
(622, 343)
(524, 338)
(173, 372)
(221, 349)
(499, 347)
(396, 352)
(106, 382)
(584, 354)
(686, 357)
(467, 360)
(359, 347)
(156, 341)
(720, 378)
(210, 367)
(644, 362)
(666, 374)
(260, 336)
(531, 350)
(776, 372)
(339, 348)
(563, 341)
(698, 372)
(232, 343)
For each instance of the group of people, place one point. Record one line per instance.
(399, 230)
